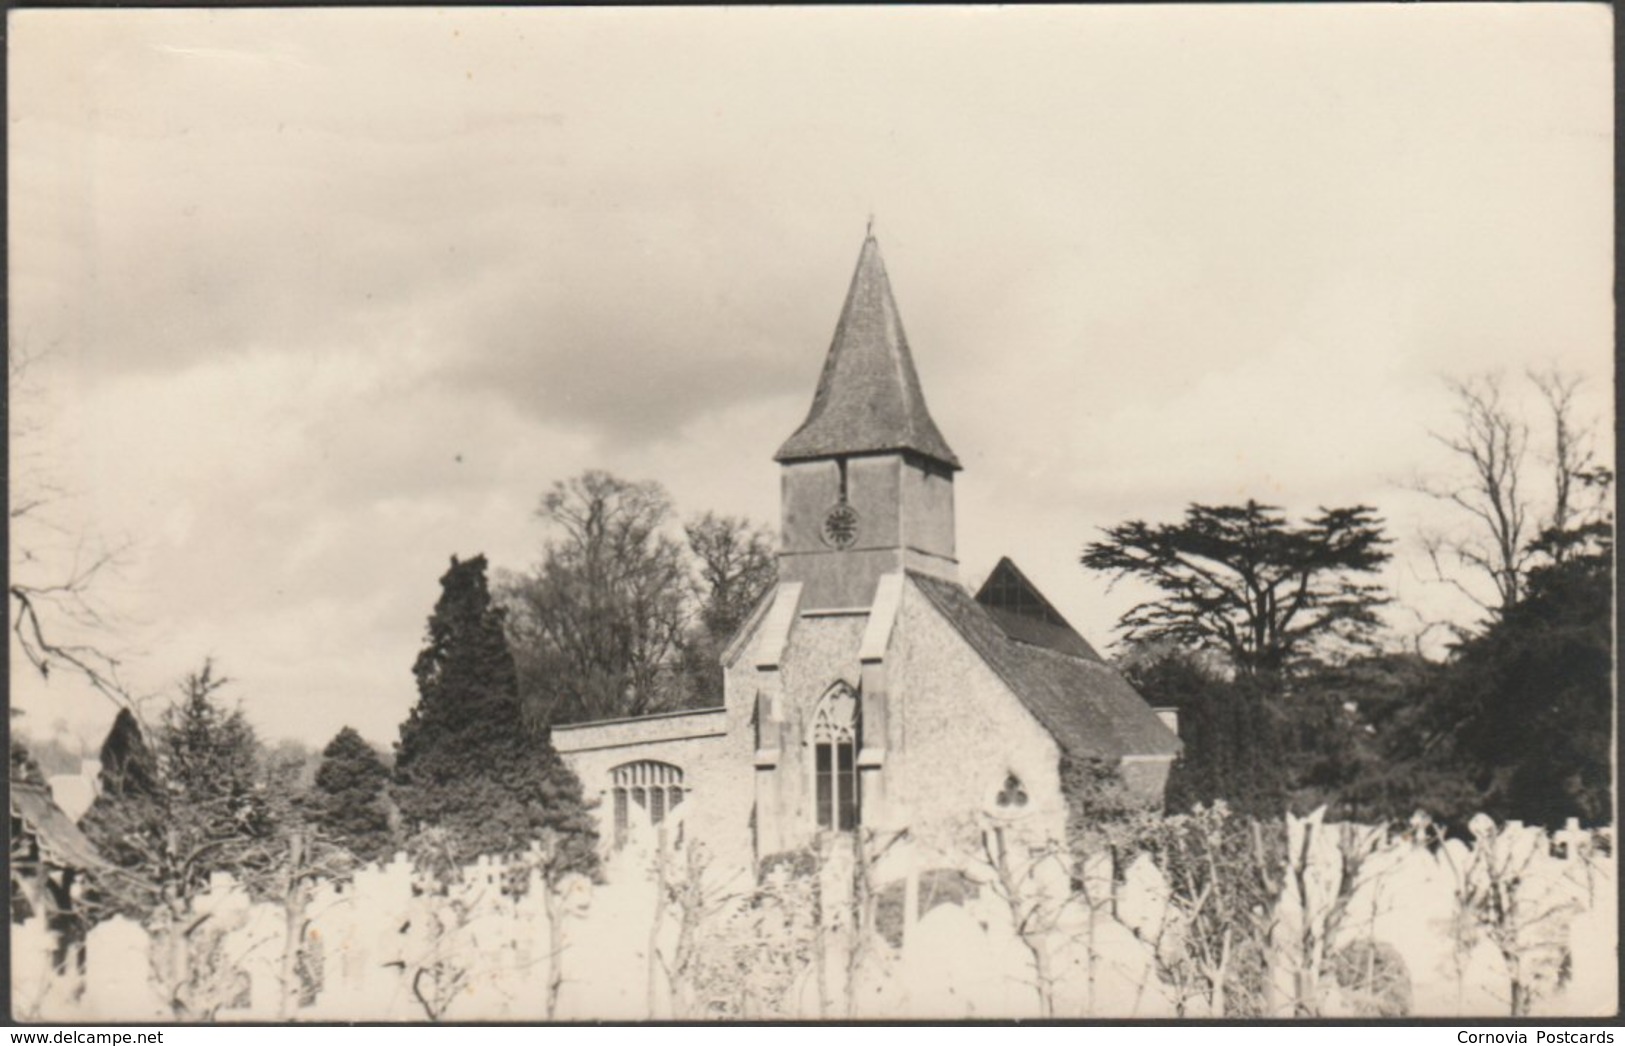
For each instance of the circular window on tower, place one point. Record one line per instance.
(841, 526)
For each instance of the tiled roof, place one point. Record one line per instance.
(868, 397)
(1016, 606)
(1083, 702)
(61, 842)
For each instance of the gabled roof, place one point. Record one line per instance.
(60, 840)
(868, 398)
(1017, 607)
(747, 628)
(1083, 702)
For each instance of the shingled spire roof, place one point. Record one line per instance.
(868, 397)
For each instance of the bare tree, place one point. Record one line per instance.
(1491, 443)
(1017, 880)
(735, 558)
(746, 945)
(1499, 896)
(440, 957)
(1579, 482)
(56, 619)
(869, 849)
(306, 860)
(736, 567)
(695, 890)
(1323, 867)
(1224, 874)
(596, 625)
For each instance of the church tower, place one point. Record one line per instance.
(867, 482)
(870, 689)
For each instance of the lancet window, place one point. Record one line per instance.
(835, 736)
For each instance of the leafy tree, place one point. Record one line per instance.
(1339, 725)
(597, 624)
(737, 567)
(1524, 712)
(1231, 732)
(347, 803)
(465, 763)
(1243, 581)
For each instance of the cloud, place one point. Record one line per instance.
(330, 295)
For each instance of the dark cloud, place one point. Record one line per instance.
(631, 364)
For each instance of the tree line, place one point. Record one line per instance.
(617, 618)
(1266, 633)
(620, 618)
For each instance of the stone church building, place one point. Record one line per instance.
(869, 688)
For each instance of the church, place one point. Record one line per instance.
(869, 688)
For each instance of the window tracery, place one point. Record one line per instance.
(835, 738)
(644, 794)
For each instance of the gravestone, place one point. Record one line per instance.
(118, 980)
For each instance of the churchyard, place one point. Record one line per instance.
(1358, 922)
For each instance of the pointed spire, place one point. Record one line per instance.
(868, 396)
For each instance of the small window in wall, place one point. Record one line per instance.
(835, 736)
(645, 792)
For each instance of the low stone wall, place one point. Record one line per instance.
(577, 738)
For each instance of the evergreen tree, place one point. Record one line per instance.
(212, 762)
(204, 810)
(1522, 717)
(128, 764)
(1242, 581)
(465, 763)
(348, 801)
(1340, 723)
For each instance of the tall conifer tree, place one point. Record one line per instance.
(465, 762)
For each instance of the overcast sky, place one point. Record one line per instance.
(322, 297)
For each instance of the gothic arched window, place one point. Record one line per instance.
(644, 792)
(835, 736)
